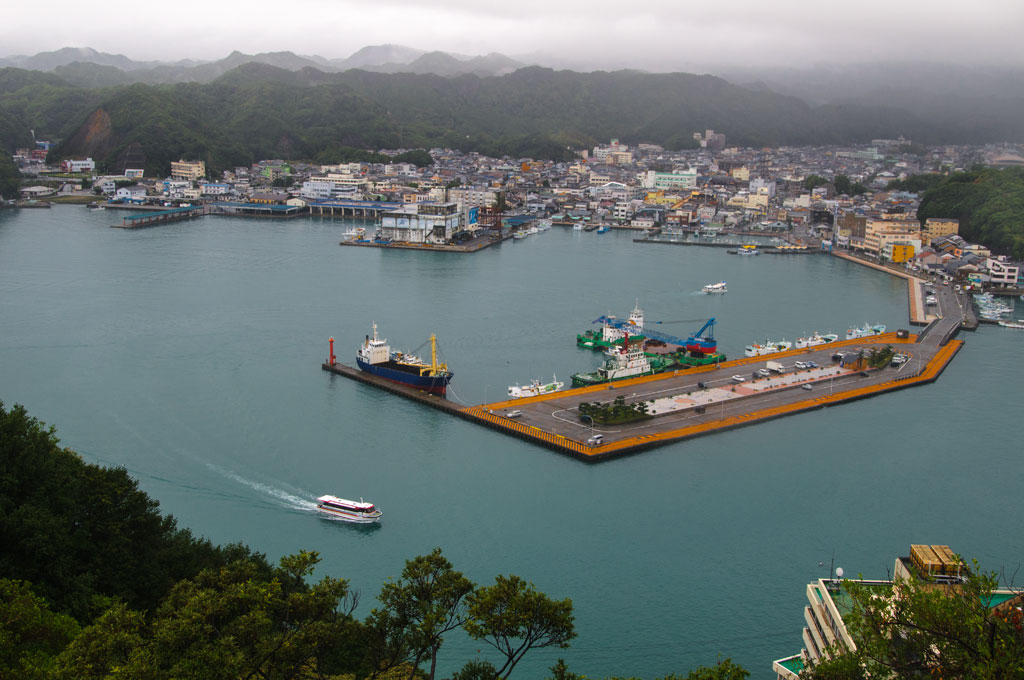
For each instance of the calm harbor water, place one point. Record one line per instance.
(190, 354)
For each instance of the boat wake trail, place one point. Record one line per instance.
(276, 494)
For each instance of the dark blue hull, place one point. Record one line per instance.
(398, 373)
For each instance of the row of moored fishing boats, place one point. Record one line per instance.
(992, 309)
(813, 340)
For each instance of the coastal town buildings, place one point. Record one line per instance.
(634, 186)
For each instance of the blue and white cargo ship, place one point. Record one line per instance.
(376, 357)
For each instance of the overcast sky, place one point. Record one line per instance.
(656, 35)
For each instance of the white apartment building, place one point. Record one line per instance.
(623, 210)
(72, 165)
(392, 169)
(214, 189)
(1002, 272)
(468, 197)
(669, 181)
(760, 185)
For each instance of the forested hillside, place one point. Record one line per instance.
(989, 204)
(260, 111)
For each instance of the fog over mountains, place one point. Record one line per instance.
(87, 67)
(282, 105)
(867, 82)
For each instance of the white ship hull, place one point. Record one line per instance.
(767, 348)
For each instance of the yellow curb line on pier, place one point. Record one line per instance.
(928, 374)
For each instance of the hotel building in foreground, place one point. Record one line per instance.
(827, 602)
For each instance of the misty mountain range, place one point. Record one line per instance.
(879, 83)
(85, 67)
(282, 105)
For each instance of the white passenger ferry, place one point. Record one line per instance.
(359, 511)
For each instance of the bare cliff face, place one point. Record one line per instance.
(95, 138)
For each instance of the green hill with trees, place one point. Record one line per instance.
(988, 202)
(260, 111)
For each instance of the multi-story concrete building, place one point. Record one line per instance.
(616, 157)
(469, 197)
(670, 181)
(422, 223)
(1002, 272)
(934, 227)
(188, 170)
(623, 210)
(73, 165)
(852, 225)
(880, 235)
(214, 189)
(710, 140)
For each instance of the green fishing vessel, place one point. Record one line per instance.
(692, 359)
(628, 361)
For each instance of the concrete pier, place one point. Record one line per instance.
(710, 399)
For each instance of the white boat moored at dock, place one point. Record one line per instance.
(535, 388)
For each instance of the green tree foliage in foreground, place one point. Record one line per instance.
(10, 178)
(82, 533)
(95, 583)
(31, 635)
(725, 669)
(989, 204)
(513, 617)
(418, 609)
(226, 623)
(919, 630)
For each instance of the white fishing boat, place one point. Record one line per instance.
(535, 388)
(715, 288)
(518, 235)
(578, 226)
(359, 511)
(1018, 324)
(815, 339)
(769, 347)
(864, 331)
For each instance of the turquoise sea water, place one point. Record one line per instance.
(190, 354)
